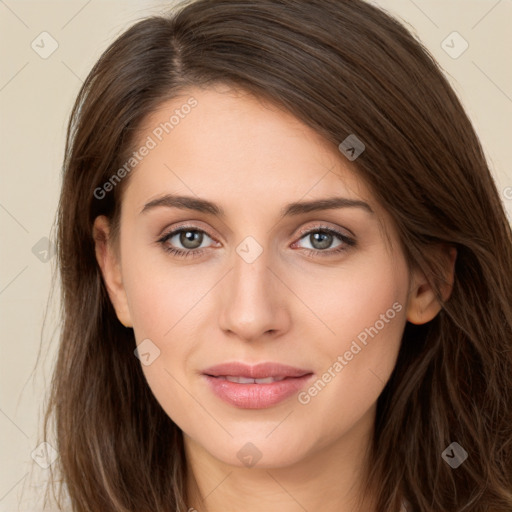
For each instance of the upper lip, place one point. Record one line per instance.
(258, 371)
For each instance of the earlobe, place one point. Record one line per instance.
(110, 269)
(423, 303)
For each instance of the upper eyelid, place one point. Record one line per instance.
(321, 227)
(167, 233)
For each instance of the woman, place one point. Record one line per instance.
(286, 272)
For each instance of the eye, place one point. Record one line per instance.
(190, 238)
(187, 241)
(322, 238)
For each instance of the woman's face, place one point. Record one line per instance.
(261, 282)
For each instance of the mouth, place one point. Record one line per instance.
(248, 380)
(255, 387)
(255, 372)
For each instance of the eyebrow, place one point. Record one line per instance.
(291, 209)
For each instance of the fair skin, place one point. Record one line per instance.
(287, 306)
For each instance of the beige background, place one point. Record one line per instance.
(36, 96)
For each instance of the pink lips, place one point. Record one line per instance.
(281, 381)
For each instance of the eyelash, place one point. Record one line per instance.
(182, 253)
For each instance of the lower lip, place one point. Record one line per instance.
(256, 396)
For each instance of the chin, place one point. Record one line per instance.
(258, 451)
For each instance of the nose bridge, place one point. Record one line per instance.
(251, 304)
(250, 272)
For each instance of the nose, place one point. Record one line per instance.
(253, 300)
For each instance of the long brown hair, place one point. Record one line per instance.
(342, 67)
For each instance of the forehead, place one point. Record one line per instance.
(227, 144)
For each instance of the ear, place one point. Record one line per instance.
(110, 269)
(423, 304)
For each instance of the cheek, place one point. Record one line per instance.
(158, 294)
(373, 318)
(165, 302)
(355, 296)
(366, 310)
(150, 303)
(360, 298)
(161, 304)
